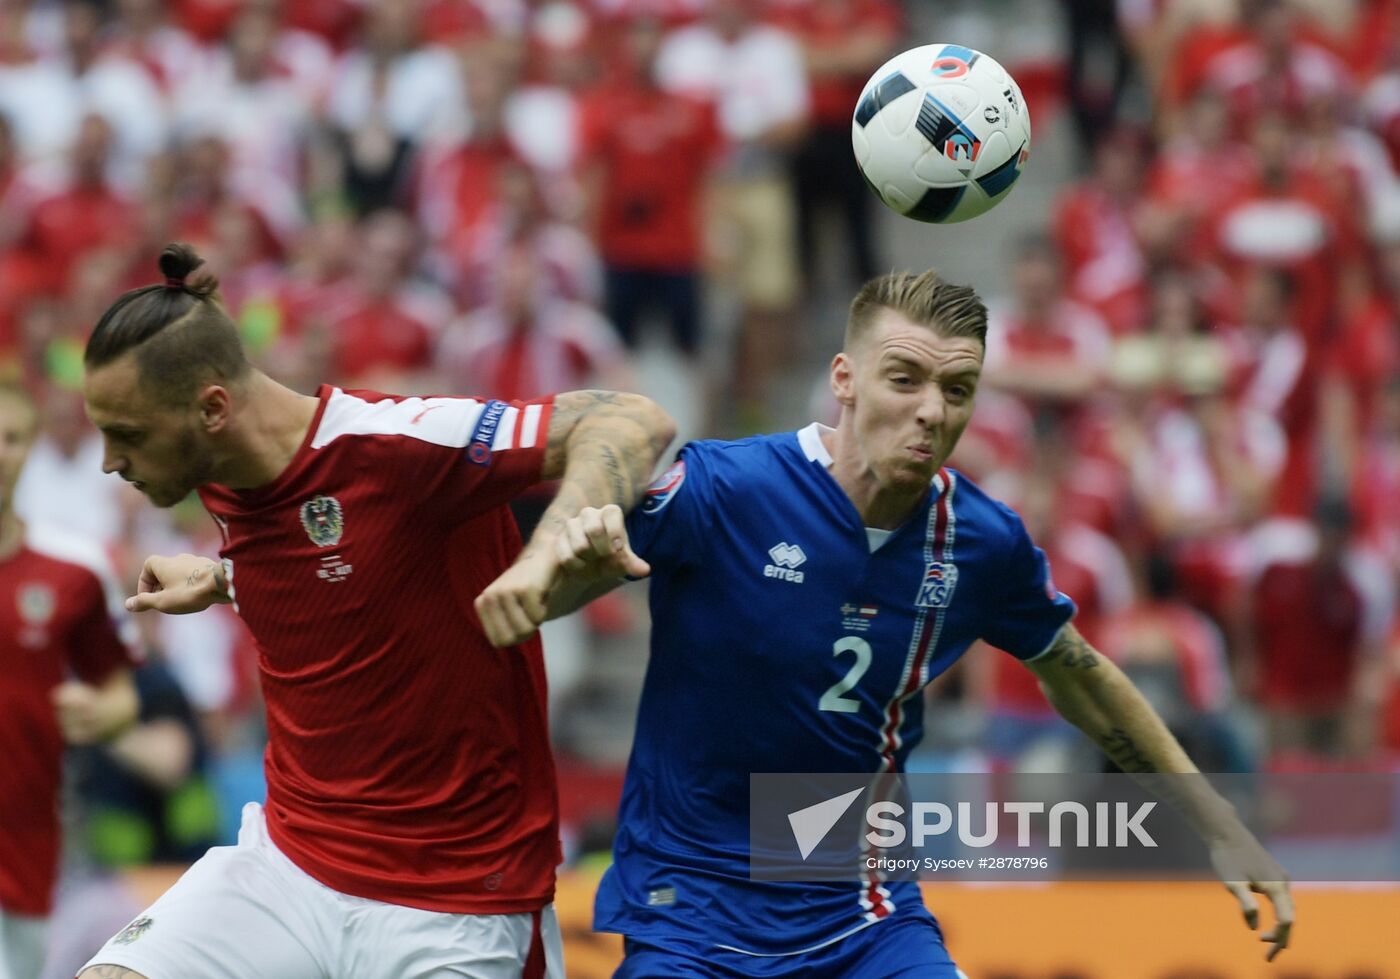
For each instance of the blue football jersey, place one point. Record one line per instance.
(782, 643)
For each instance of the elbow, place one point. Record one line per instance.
(659, 425)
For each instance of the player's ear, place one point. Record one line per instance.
(843, 379)
(215, 408)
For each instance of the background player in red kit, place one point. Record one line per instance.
(64, 675)
(410, 828)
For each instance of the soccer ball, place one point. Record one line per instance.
(941, 133)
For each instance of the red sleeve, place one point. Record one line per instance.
(593, 128)
(95, 649)
(712, 136)
(495, 451)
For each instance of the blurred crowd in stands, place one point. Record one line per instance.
(1192, 388)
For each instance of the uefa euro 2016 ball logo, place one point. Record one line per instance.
(323, 520)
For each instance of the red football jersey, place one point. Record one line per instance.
(408, 761)
(59, 615)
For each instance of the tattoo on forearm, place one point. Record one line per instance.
(1073, 652)
(1124, 752)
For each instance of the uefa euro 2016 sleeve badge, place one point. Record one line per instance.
(323, 520)
(133, 931)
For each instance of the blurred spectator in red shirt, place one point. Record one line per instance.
(1175, 655)
(144, 34)
(1043, 347)
(1203, 167)
(87, 212)
(522, 215)
(1202, 468)
(1094, 227)
(843, 41)
(291, 315)
(390, 94)
(1084, 564)
(1282, 377)
(1319, 610)
(525, 343)
(202, 183)
(455, 181)
(48, 93)
(1365, 351)
(545, 115)
(382, 335)
(1288, 217)
(1376, 481)
(1278, 65)
(259, 92)
(650, 153)
(753, 73)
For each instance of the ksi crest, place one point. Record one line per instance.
(323, 520)
(936, 590)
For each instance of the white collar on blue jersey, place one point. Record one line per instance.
(810, 438)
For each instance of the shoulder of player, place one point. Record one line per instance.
(76, 554)
(742, 462)
(450, 421)
(974, 505)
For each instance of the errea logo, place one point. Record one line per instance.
(786, 559)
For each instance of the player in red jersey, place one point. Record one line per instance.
(410, 828)
(64, 675)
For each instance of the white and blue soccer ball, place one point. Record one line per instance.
(941, 133)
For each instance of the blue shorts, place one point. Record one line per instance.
(897, 949)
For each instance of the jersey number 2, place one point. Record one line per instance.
(835, 699)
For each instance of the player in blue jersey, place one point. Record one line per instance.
(805, 588)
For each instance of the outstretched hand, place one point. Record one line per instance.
(590, 547)
(179, 585)
(1247, 869)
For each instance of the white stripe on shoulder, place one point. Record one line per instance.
(70, 548)
(530, 427)
(810, 438)
(442, 421)
(505, 431)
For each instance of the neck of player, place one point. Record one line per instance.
(881, 507)
(272, 424)
(11, 528)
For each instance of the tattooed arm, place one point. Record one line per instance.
(1092, 693)
(603, 447)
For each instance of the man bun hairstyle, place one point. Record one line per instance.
(181, 335)
(949, 310)
(184, 269)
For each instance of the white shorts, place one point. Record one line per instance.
(21, 946)
(248, 912)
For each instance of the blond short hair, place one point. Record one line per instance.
(949, 310)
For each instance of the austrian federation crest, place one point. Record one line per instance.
(323, 520)
(36, 604)
(133, 931)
